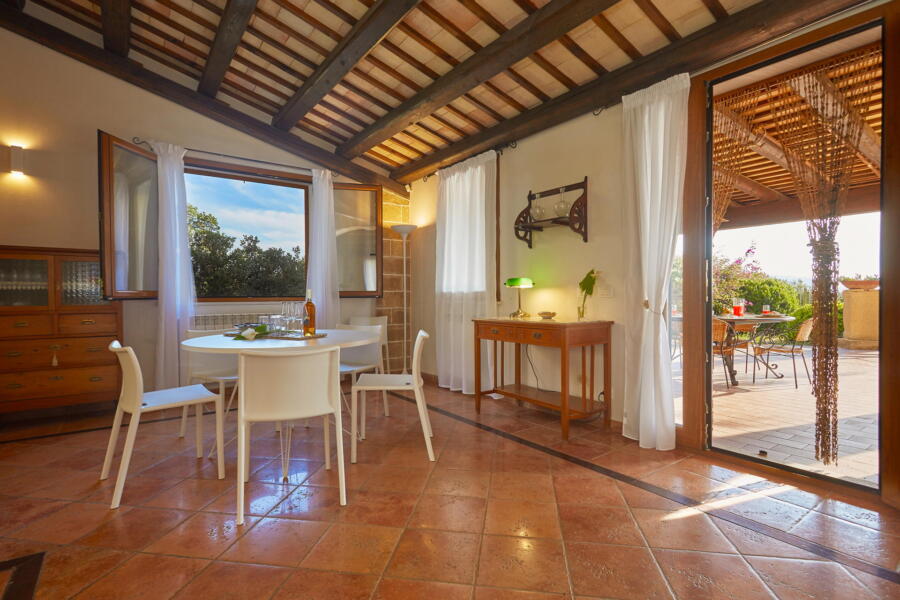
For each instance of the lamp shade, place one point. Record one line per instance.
(519, 282)
(403, 230)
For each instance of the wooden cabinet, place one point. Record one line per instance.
(55, 327)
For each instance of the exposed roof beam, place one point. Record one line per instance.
(228, 35)
(132, 72)
(762, 144)
(365, 35)
(869, 147)
(616, 36)
(757, 190)
(741, 31)
(716, 9)
(115, 16)
(529, 35)
(859, 200)
(658, 19)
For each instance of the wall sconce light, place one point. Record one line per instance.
(17, 160)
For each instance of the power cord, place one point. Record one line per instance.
(537, 379)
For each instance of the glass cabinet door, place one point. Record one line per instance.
(81, 283)
(24, 282)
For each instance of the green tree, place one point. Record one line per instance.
(225, 270)
(780, 295)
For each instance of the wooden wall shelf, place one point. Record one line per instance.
(576, 220)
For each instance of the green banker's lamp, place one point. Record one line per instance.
(519, 283)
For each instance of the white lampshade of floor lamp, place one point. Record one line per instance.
(404, 231)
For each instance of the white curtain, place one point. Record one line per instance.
(321, 265)
(176, 277)
(655, 121)
(465, 275)
(122, 198)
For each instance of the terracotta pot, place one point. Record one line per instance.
(861, 284)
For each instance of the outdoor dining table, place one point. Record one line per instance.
(755, 338)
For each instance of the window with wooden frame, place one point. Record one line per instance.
(247, 226)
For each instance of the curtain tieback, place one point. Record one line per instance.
(646, 305)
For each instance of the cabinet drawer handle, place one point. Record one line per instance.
(56, 378)
(20, 324)
(88, 322)
(13, 354)
(13, 386)
(495, 331)
(537, 335)
(55, 347)
(93, 349)
(96, 378)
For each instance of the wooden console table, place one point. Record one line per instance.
(555, 334)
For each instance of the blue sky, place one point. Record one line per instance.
(273, 213)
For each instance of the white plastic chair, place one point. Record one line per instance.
(383, 322)
(209, 368)
(134, 401)
(284, 386)
(369, 382)
(364, 358)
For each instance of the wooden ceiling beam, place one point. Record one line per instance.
(228, 35)
(532, 33)
(869, 147)
(616, 36)
(859, 200)
(132, 72)
(661, 22)
(115, 16)
(757, 190)
(762, 144)
(741, 31)
(365, 35)
(716, 9)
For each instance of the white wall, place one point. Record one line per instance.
(53, 106)
(589, 145)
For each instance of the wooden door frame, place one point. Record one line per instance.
(696, 216)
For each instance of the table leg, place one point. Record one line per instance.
(583, 380)
(607, 383)
(728, 357)
(564, 391)
(502, 364)
(495, 363)
(593, 368)
(518, 364)
(477, 372)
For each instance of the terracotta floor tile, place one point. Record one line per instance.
(233, 581)
(781, 515)
(145, 576)
(416, 456)
(868, 544)
(283, 542)
(749, 542)
(203, 535)
(456, 482)
(582, 448)
(436, 555)
(472, 460)
(134, 529)
(138, 489)
(593, 489)
(406, 480)
(693, 486)
(600, 524)
(15, 513)
(801, 579)
(175, 467)
(524, 460)
(537, 487)
(68, 569)
(70, 484)
(378, 508)
(305, 584)
(881, 588)
(298, 471)
(485, 593)
(451, 513)
(882, 518)
(259, 498)
(353, 548)
(787, 493)
(685, 529)
(702, 576)
(69, 523)
(401, 589)
(637, 462)
(615, 572)
(191, 494)
(310, 503)
(523, 563)
(356, 475)
(522, 518)
(636, 497)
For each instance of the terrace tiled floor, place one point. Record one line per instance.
(492, 519)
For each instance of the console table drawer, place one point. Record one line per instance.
(539, 336)
(58, 382)
(23, 355)
(101, 323)
(25, 325)
(488, 331)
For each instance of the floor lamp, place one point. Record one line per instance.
(404, 231)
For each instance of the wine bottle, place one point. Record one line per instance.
(309, 322)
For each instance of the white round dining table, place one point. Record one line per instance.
(222, 344)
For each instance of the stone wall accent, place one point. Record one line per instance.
(395, 210)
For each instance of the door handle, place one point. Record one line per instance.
(495, 331)
(96, 378)
(56, 378)
(20, 324)
(537, 335)
(88, 322)
(13, 354)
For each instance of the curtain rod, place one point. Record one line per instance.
(139, 141)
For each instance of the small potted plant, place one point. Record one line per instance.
(586, 286)
(861, 282)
